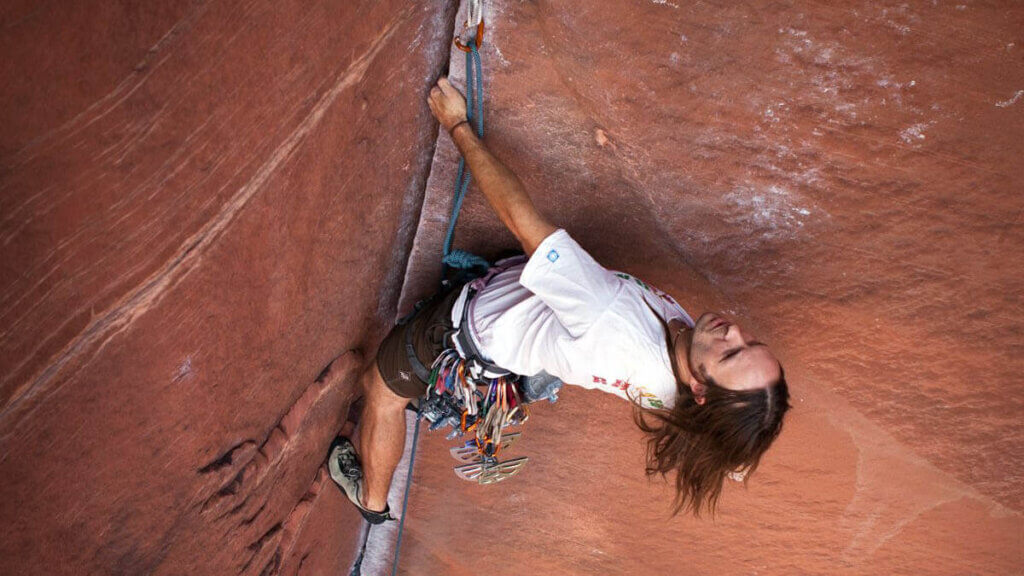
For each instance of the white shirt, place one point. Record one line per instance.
(564, 313)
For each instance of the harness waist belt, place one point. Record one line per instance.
(479, 367)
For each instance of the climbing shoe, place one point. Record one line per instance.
(347, 473)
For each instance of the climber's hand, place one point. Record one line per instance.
(447, 104)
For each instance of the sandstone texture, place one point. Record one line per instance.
(204, 205)
(211, 212)
(847, 176)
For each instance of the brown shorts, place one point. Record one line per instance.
(427, 330)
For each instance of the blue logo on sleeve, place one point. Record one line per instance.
(553, 255)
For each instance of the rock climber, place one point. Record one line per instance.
(709, 396)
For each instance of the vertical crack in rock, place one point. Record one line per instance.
(415, 197)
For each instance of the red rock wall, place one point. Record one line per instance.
(202, 205)
(845, 175)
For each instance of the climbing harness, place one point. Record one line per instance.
(453, 397)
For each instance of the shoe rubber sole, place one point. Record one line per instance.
(352, 487)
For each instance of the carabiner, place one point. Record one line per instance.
(476, 39)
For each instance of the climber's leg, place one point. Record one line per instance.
(381, 437)
(364, 474)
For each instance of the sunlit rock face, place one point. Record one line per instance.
(210, 213)
(847, 179)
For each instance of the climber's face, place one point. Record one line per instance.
(722, 351)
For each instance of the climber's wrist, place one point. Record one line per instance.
(454, 127)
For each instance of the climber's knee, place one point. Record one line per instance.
(378, 393)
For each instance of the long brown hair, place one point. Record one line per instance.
(703, 443)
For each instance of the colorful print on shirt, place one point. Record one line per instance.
(647, 399)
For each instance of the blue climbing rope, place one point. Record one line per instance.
(408, 483)
(457, 259)
(460, 259)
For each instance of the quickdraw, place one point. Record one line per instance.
(474, 19)
(454, 399)
(477, 39)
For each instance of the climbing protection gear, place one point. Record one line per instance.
(474, 19)
(347, 473)
(468, 452)
(474, 13)
(453, 399)
(474, 42)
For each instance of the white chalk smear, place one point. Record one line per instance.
(665, 3)
(913, 133)
(498, 52)
(184, 370)
(1011, 101)
(769, 213)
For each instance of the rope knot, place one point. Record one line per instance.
(462, 260)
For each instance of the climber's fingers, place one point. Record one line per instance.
(432, 103)
(434, 99)
(447, 88)
(446, 103)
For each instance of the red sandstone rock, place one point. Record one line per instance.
(202, 205)
(846, 178)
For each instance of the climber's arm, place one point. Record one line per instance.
(503, 189)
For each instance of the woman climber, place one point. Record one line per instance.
(710, 398)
